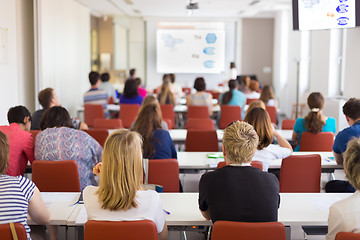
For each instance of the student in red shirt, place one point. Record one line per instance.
(20, 140)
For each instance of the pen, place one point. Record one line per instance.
(168, 213)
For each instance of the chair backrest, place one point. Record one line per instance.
(92, 112)
(322, 141)
(111, 100)
(5, 232)
(272, 113)
(229, 114)
(168, 122)
(167, 112)
(347, 236)
(56, 176)
(250, 100)
(256, 164)
(300, 174)
(128, 114)
(200, 124)
(34, 134)
(198, 112)
(186, 90)
(164, 172)
(201, 141)
(100, 135)
(134, 230)
(226, 230)
(288, 124)
(215, 95)
(107, 123)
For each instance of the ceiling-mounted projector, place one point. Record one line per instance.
(192, 6)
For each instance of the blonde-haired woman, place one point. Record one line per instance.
(267, 152)
(166, 96)
(119, 196)
(344, 214)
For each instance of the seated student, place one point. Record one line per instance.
(165, 95)
(344, 214)
(59, 141)
(239, 192)
(200, 98)
(268, 97)
(95, 95)
(107, 86)
(254, 88)
(175, 88)
(315, 121)
(267, 152)
(131, 94)
(18, 195)
(132, 74)
(244, 84)
(233, 97)
(256, 104)
(351, 110)
(20, 140)
(157, 141)
(119, 196)
(142, 91)
(151, 99)
(48, 99)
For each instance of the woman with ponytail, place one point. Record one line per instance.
(315, 121)
(233, 97)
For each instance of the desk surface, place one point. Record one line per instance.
(60, 205)
(200, 161)
(295, 209)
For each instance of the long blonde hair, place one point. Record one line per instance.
(166, 93)
(121, 171)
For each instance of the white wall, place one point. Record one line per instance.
(63, 53)
(9, 71)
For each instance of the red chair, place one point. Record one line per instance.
(107, 123)
(128, 113)
(164, 172)
(167, 112)
(132, 230)
(272, 113)
(300, 174)
(111, 100)
(56, 176)
(92, 112)
(201, 141)
(5, 231)
(168, 122)
(228, 115)
(198, 112)
(226, 230)
(250, 100)
(187, 91)
(347, 236)
(215, 95)
(288, 124)
(322, 142)
(256, 164)
(34, 134)
(199, 124)
(100, 135)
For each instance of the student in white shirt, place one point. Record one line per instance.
(344, 215)
(267, 152)
(119, 196)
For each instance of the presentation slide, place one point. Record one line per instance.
(190, 51)
(326, 14)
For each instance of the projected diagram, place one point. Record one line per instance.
(190, 51)
(326, 14)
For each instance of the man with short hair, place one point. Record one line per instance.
(132, 74)
(107, 86)
(21, 143)
(48, 99)
(239, 192)
(95, 95)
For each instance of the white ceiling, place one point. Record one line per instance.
(176, 8)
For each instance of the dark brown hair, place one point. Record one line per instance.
(45, 97)
(352, 108)
(131, 89)
(55, 117)
(148, 120)
(228, 95)
(199, 84)
(4, 153)
(260, 120)
(313, 121)
(267, 93)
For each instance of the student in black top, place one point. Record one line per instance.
(239, 192)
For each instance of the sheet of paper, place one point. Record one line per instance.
(82, 216)
(324, 202)
(59, 197)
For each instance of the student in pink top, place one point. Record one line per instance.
(20, 140)
(142, 91)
